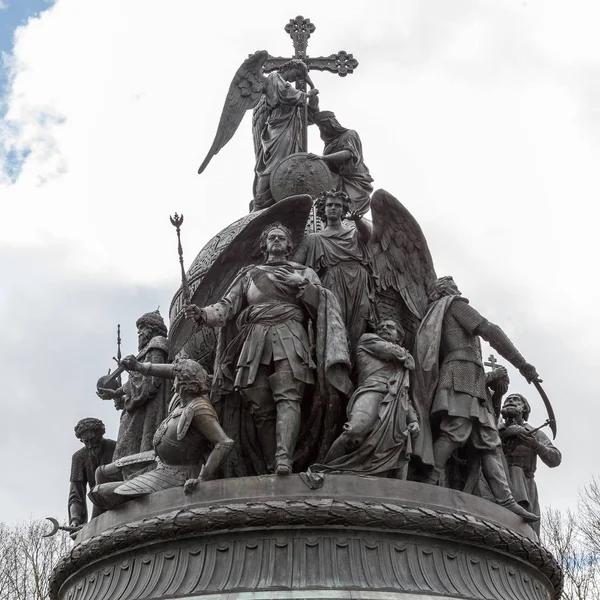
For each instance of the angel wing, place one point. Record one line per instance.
(401, 257)
(259, 118)
(244, 93)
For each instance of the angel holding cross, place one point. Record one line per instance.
(280, 117)
(277, 120)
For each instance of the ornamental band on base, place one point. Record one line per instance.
(330, 430)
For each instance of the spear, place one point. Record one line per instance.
(176, 221)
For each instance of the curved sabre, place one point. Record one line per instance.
(55, 527)
(549, 409)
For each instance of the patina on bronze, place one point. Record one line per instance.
(337, 355)
(299, 174)
(280, 116)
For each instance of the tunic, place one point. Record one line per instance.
(522, 464)
(83, 473)
(461, 390)
(271, 322)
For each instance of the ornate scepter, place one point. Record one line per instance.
(176, 221)
(117, 358)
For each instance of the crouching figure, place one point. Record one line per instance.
(189, 445)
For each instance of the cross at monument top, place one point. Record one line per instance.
(300, 30)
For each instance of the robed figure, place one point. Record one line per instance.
(343, 154)
(342, 259)
(276, 119)
(377, 437)
(143, 399)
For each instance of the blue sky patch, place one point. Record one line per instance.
(13, 13)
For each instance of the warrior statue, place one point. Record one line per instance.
(376, 439)
(266, 351)
(344, 157)
(277, 118)
(97, 451)
(341, 257)
(454, 398)
(143, 399)
(522, 444)
(189, 445)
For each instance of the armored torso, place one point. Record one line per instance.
(177, 441)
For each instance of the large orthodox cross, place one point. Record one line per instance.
(342, 63)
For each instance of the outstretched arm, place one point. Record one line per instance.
(475, 323)
(500, 342)
(337, 157)
(218, 314)
(165, 371)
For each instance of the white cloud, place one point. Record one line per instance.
(479, 116)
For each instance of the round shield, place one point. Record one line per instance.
(298, 174)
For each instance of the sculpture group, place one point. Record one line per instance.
(341, 352)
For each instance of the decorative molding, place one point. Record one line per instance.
(388, 563)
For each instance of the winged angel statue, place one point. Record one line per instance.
(277, 117)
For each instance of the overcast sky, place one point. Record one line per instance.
(482, 117)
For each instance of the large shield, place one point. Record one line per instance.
(216, 266)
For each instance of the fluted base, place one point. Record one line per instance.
(273, 538)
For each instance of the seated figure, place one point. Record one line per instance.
(182, 442)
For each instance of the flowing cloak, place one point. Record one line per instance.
(389, 444)
(280, 135)
(343, 263)
(146, 402)
(352, 175)
(319, 411)
(427, 370)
